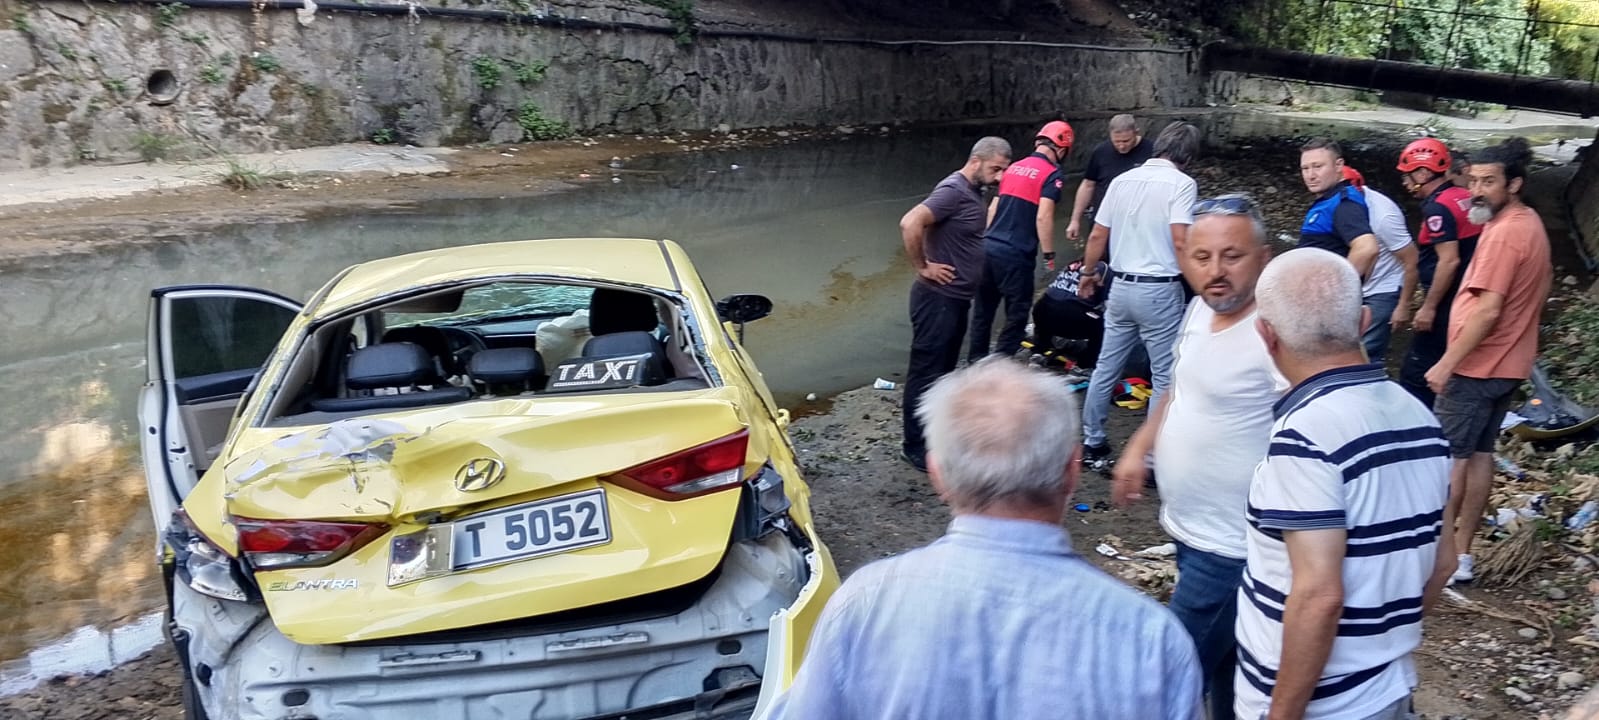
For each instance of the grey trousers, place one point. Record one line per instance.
(1151, 313)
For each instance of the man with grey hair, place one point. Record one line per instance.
(1345, 513)
(943, 238)
(998, 619)
(1125, 150)
(1146, 214)
(1210, 430)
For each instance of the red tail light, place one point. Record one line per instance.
(715, 465)
(274, 544)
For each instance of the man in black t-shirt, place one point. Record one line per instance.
(1125, 150)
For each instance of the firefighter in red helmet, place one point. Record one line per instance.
(1446, 239)
(1021, 224)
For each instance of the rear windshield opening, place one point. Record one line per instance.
(490, 340)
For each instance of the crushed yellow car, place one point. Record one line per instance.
(537, 479)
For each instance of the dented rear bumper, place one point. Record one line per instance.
(707, 661)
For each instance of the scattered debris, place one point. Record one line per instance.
(1158, 551)
(1508, 561)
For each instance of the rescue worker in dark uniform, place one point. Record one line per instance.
(1021, 220)
(1447, 239)
(1338, 221)
(1069, 325)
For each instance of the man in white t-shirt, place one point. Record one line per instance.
(1393, 278)
(1209, 430)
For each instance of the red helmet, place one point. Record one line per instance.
(1425, 153)
(1058, 132)
(1354, 177)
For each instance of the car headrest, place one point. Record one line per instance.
(632, 342)
(388, 365)
(430, 338)
(502, 366)
(612, 311)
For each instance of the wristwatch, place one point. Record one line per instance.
(1049, 256)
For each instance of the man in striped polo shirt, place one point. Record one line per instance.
(1344, 513)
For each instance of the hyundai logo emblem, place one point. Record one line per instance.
(479, 474)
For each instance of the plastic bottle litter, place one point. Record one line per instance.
(882, 384)
(1509, 468)
(1584, 515)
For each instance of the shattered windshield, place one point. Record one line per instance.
(498, 301)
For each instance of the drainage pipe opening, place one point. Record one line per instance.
(161, 87)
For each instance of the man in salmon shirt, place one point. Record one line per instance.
(1493, 333)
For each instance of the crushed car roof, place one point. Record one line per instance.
(632, 261)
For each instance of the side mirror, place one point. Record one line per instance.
(743, 308)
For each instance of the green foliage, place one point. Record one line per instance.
(66, 51)
(167, 14)
(156, 146)
(537, 127)
(241, 176)
(1425, 31)
(199, 39)
(211, 74)
(266, 63)
(682, 14)
(20, 22)
(529, 73)
(384, 136)
(117, 86)
(1570, 353)
(488, 72)
(1571, 51)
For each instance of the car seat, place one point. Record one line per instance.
(402, 367)
(507, 371)
(623, 323)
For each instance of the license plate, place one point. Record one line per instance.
(545, 527)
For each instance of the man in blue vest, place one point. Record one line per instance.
(1338, 221)
(1021, 220)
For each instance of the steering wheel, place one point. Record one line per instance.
(463, 344)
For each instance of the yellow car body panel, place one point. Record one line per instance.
(543, 444)
(551, 445)
(642, 557)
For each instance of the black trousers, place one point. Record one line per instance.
(1010, 279)
(938, 327)
(1067, 320)
(1426, 349)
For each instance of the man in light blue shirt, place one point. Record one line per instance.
(999, 619)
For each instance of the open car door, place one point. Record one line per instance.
(203, 347)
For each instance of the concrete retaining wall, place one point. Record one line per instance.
(80, 81)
